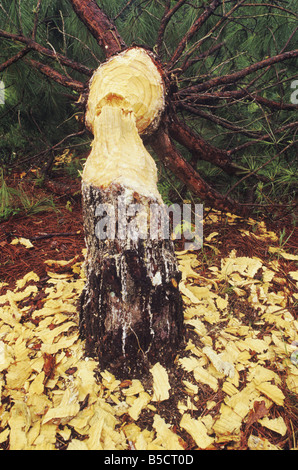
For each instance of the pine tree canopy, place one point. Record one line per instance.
(230, 129)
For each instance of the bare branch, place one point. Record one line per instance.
(234, 77)
(236, 95)
(57, 77)
(170, 156)
(33, 45)
(218, 120)
(210, 32)
(99, 25)
(127, 5)
(192, 31)
(14, 59)
(200, 148)
(188, 63)
(37, 8)
(165, 21)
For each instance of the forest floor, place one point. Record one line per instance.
(234, 383)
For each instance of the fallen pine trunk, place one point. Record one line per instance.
(131, 309)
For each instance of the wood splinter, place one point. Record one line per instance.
(131, 309)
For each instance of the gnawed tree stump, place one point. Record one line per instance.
(131, 309)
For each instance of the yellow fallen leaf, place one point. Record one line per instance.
(4, 435)
(294, 275)
(138, 405)
(165, 437)
(5, 357)
(48, 336)
(19, 296)
(253, 344)
(135, 388)
(37, 386)
(65, 411)
(277, 424)
(38, 404)
(229, 388)
(75, 444)
(81, 420)
(161, 384)
(242, 402)
(18, 373)
(62, 263)
(22, 241)
(198, 325)
(246, 266)
(197, 430)
(221, 303)
(63, 343)
(95, 433)
(56, 276)
(283, 253)
(261, 374)
(189, 363)
(86, 382)
(202, 375)
(212, 235)
(19, 423)
(46, 438)
(201, 292)
(27, 278)
(259, 443)
(190, 388)
(292, 383)
(229, 421)
(185, 291)
(272, 392)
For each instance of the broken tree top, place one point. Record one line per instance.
(126, 99)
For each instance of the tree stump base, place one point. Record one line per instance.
(131, 309)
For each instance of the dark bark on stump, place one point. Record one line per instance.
(131, 308)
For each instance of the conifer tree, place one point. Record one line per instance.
(222, 71)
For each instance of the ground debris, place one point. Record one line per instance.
(233, 384)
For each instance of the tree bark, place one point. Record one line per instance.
(100, 26)
(131, 308)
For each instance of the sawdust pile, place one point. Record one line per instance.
(233, 386)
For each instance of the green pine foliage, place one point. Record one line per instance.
(38, 114)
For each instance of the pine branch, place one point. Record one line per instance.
(193, 30)
(236, 76)
(14, 59)
(34, 46)
(57, 77)
(235, 96)
(170, 156)
(260, 167)
(218, 120)
(36, 14)
(99, 25)
(200, 148)
(188, 63)
(224, 19)
(285, 128)
(165, 21)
